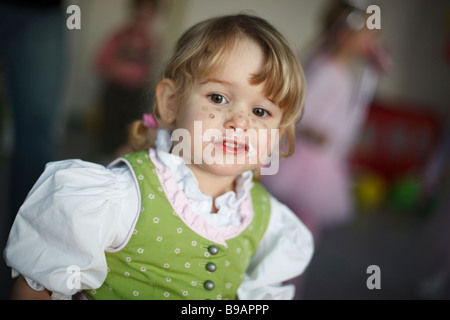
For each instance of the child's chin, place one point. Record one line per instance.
(230, 170)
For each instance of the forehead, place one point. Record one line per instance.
(238, 65)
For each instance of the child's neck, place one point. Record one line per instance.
(213, 185)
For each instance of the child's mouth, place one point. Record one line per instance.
(233, 146)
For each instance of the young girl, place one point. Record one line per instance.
(174, 222)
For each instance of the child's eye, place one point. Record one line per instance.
(260, 112)
(217, 98)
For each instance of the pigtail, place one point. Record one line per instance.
(257, 174)
(141, 136)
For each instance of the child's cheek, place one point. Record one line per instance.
(209, 113)
(264, 148)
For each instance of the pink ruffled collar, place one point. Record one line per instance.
(235, 210)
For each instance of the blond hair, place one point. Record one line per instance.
(203, 48)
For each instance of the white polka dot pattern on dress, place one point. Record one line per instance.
(164, 242)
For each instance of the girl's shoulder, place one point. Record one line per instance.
(72, 193)
(75, 176)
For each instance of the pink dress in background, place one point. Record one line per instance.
(315, 182)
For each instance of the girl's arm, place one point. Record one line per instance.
(22, 291)
(283, 254)
(75, 194)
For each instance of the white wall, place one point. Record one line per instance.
(294, 18)
(416, 33)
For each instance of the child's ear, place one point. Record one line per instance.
(165, 98)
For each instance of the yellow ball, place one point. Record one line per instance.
(370, 190)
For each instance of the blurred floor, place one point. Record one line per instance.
(397, 243)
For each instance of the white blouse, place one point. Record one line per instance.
(77, 210)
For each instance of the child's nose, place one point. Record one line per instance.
(238, 122)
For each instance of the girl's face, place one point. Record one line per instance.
(232, 125)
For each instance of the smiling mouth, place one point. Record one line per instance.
(231, 144)
(234, 146)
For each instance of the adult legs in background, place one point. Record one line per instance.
(33, 60)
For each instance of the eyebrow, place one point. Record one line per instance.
(213, 80)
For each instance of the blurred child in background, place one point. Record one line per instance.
(125, 63)
(315, 181)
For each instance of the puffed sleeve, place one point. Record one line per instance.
(284, 253)
(75, 211)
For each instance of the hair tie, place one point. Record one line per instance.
(149, 121)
